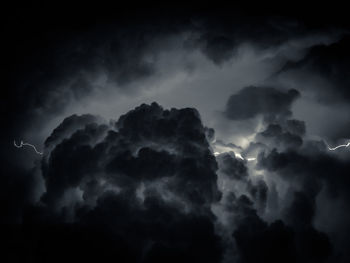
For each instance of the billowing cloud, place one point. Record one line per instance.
(154, 184)
(148, 145)
(142, 185)
(329, 63)
(252, 101)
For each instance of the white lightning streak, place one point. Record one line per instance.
(251, 159)
(339, 146)
(239, 156)
(26, 144)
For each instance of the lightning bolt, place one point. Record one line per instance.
(26, 144)
(338, 146)
(239, 156)
(215, 153)
(251, 159)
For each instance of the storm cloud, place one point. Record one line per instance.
(252, 101)
(175, 135)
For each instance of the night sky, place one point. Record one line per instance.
(181, 133)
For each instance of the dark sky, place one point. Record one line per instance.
(179, 133)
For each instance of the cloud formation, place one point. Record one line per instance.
(252, 101)
(146, 186)
(141, 186)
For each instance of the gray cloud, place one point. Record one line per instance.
(147, 187)
(252, 101)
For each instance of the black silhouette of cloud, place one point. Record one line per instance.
(330, 63)
(147, 145)
(252, 101)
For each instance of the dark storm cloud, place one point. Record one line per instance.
(165, 152)
(314, 164)
(143, 188)
(259, 192)
(306, 168)
(50, 65)
(275, 135)
(311, 170)
(220, 38)
(121, 228)
(296, 127)
(258, 241)
(267, 101)
(330, 63)
(232, 167)
(68, 127)
(149, 144)
(159, 230)
(302, 209)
